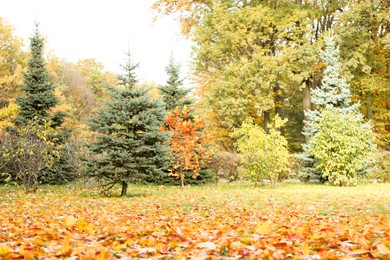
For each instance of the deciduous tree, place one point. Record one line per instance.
(264, 155)
(188, 142)
(12, 62)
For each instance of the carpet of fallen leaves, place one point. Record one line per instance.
(208, 222)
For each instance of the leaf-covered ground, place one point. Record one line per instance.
(292, 221)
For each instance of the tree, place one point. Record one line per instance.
(264, 155)
(28, 152)
(12, 62)
(172, 93)
(341, 146)
(129, 145)
(244, 65)
(334, 94)
(189, 11)
(7, 115)
(38, 92)
(364, 29)
(188, 142)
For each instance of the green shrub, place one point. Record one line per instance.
(264, 156)
(341, 147)
(382, 170)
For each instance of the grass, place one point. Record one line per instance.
(236, 220)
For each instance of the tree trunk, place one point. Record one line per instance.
(124, 189)
(266, 121)
(369, 106)
(306, 105)
(182, 180)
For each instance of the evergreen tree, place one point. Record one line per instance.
(129, 146)
(35, 110)
(333, 94)
(172, 92)
(38, 92)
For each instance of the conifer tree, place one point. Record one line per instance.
(38, 92)
(129, 146)
(333, 95)
(36, 112)
(173, 94)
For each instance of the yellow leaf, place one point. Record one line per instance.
(70, 221)
(263, 228)
(4, 250)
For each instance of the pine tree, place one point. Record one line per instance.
(334, 94)
(172, 92)
(129, 146)
(38, 92)
(334, 91)
(36, 109)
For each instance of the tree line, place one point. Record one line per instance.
(284, 89)
(115, 132)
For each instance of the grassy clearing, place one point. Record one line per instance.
(238, 220)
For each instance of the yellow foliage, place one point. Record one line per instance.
(7, 114)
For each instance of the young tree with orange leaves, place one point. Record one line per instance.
(189, 143)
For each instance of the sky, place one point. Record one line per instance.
(104, 30)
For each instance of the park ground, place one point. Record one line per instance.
(295, 221)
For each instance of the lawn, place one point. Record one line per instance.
(216, 221)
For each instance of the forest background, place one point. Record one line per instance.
(251, 59)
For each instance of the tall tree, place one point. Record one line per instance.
(173, 94)
(129, 146)
(12, 63)
(364, 29)
(38, 92)
(334, 94)
(243, 64)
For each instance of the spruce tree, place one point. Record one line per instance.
(36, 104)
(129, 146)
(172, 93)
(38, 92)
(334, 94)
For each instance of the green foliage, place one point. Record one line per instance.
(29, 152)
(382, 171)
(173, 94)
(264, 155)
(336, 153)
(129, 145)
(38, 93)
(251, 59)
(341, 147)
(37, 105)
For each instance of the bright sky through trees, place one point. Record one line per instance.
(103, 30)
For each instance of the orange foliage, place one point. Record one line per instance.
(188, 143)
(206, 222)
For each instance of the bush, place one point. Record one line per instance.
(263, 155)
(341, 147)
(382, 171)
(28, 152)
(225, 165)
